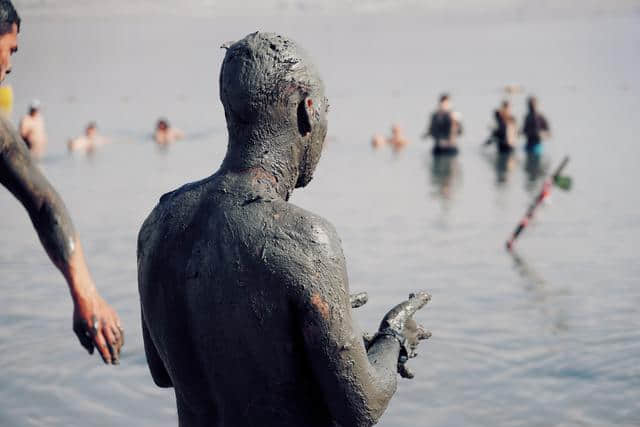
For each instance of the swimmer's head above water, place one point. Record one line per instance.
(162, 125)
(275, 108)
(91, 129)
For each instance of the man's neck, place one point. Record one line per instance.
(270, 162)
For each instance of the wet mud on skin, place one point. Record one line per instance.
(21, 175)
(230, 272)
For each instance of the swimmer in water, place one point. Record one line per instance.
(165, 134)
(95, 323)
(33, 132)
(89, 141)
(398, 140)
(378, 141)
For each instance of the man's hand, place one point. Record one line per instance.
(399, 323)
(358, 300)
(97, 325)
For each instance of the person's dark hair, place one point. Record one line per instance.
(532, 103)
(8, 17)
(92, 125)
(162, 124)
(505, 103)
(444, 97)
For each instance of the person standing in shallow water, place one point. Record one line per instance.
(535, 127)
(95, 323)
(32, 130)
(245, 300)
(88, 142)
(505, 132)
(444, 128)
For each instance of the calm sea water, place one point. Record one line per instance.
(550, 336)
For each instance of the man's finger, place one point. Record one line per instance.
(397, 317)
(84, 336)
(405, 372)
(112, 344)
(422, 333)
(119, 338)
(358, 300)
(103, 349)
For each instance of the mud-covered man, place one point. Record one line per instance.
(245, 303)
(94, 321)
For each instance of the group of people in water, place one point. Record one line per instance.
(33, 132)
(535, 128)
(445, 126)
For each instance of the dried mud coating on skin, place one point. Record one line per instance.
(321, 305)
(245, 300)
(48, 214)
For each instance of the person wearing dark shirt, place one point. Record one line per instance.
(504, 133)
(444, 127)
(535, 128)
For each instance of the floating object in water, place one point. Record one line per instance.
(563, 182)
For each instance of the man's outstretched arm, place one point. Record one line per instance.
(94, 321)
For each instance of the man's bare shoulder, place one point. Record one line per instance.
(303, 239)
(172, 210)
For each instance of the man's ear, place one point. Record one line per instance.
(305, 112)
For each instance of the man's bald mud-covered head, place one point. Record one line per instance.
(275, 108)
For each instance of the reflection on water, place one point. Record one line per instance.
(525, 270)
(536, 167)
(445, 175)
(542, 293)
(502, 163)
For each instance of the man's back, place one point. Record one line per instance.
(219, 308)
(245, 297)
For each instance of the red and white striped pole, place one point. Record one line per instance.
(544, 193)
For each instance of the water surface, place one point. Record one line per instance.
(548, 336)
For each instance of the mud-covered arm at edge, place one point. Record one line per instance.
(45, 207)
